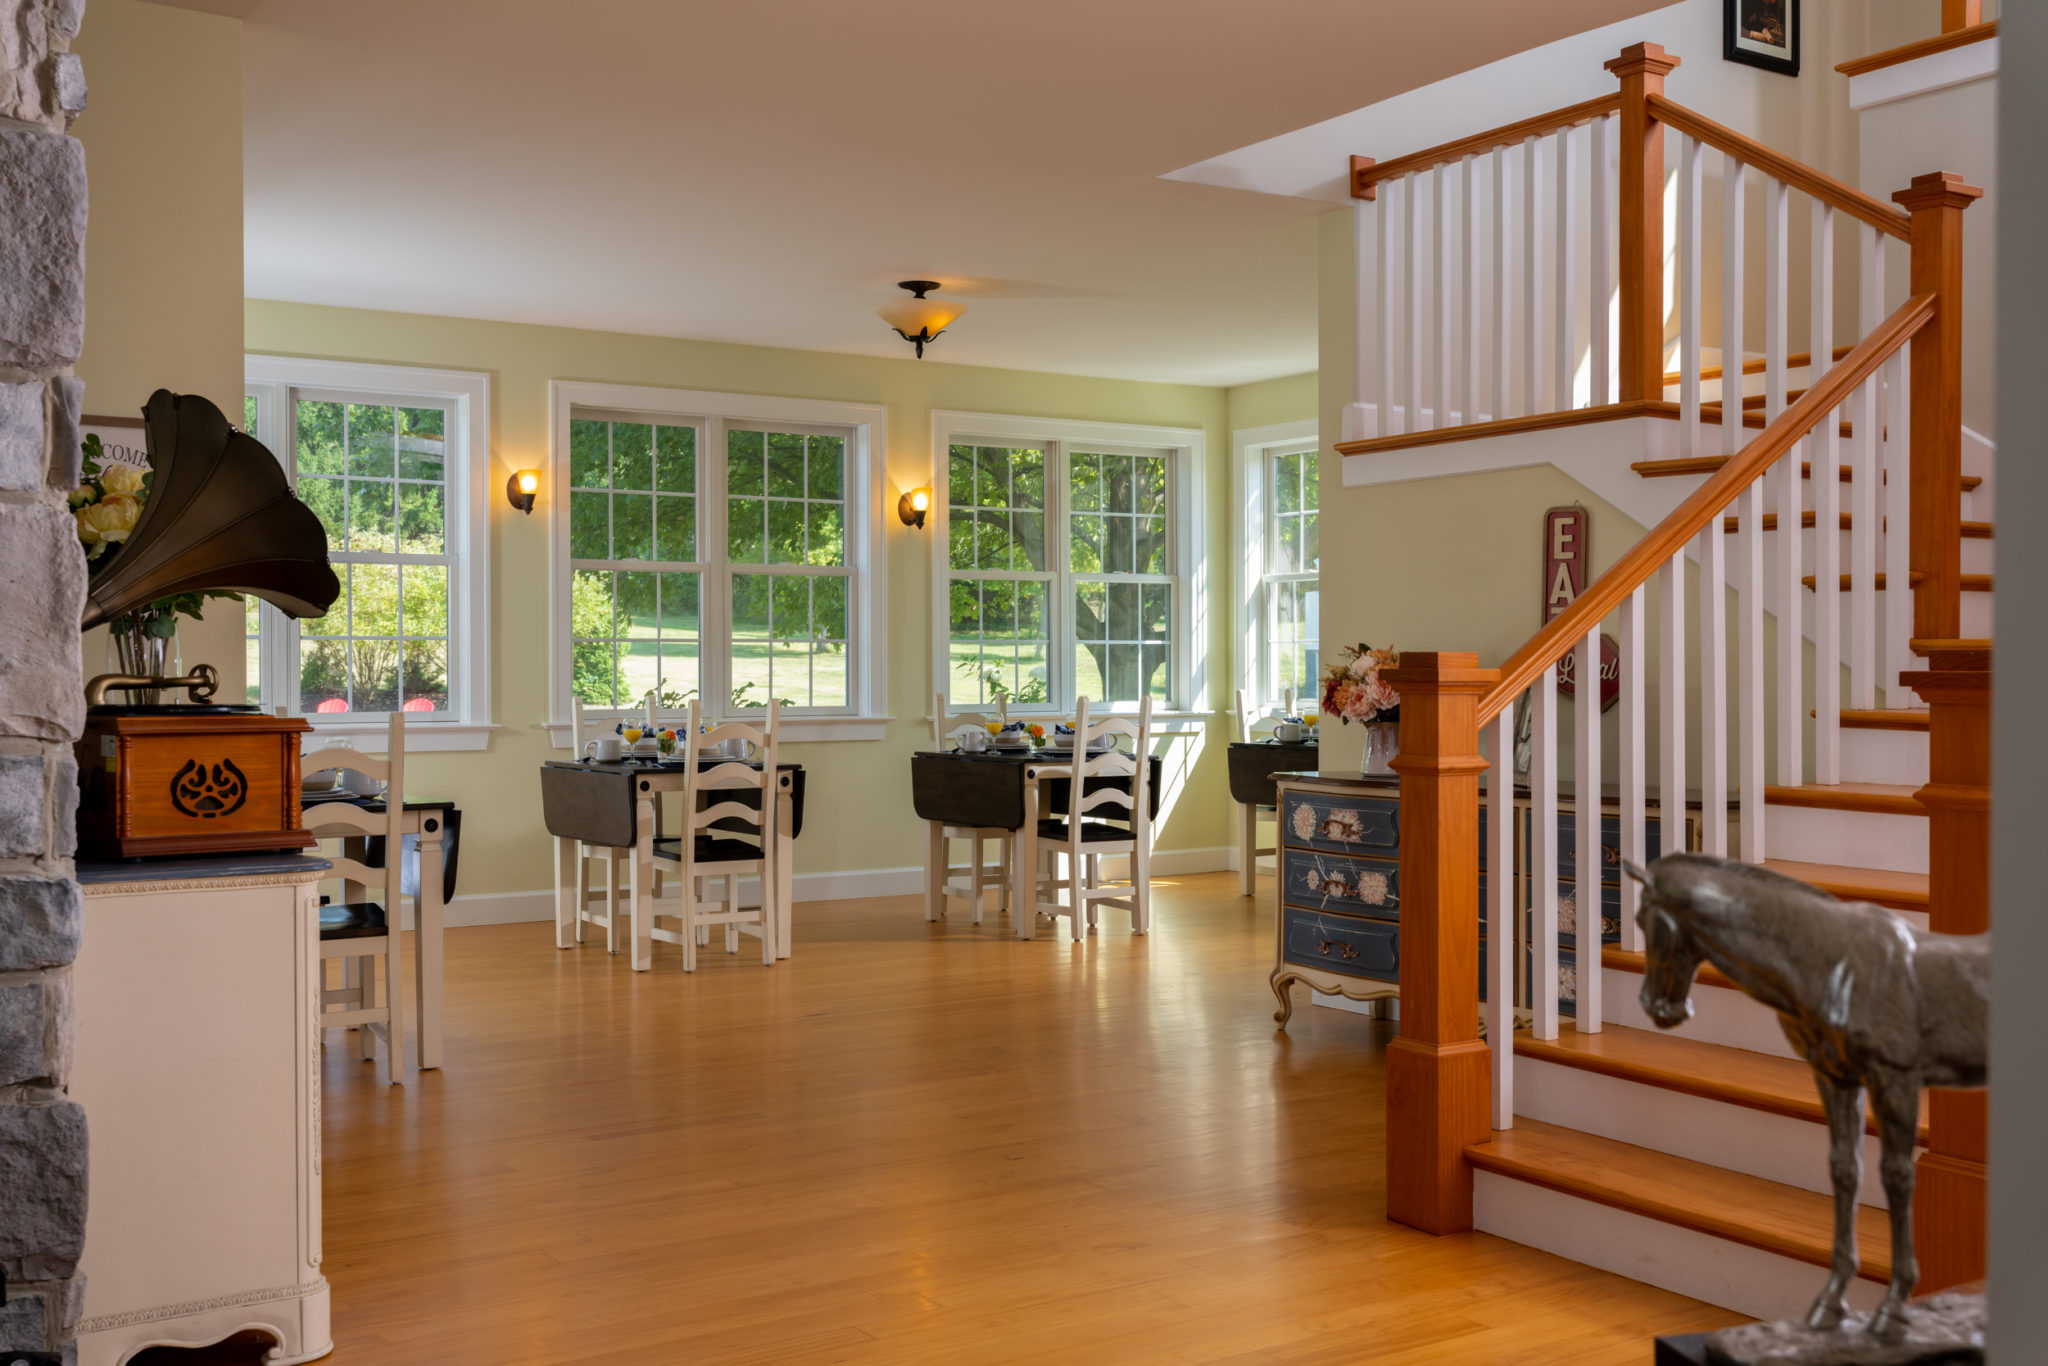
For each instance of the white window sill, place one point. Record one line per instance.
(1163, 722)
(420, 736)
(795, 729)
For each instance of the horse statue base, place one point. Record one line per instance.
(1942, 1329)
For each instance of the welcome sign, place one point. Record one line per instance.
(1567, 553)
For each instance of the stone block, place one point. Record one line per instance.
(21, 436)
(60, 1028)
(67, 401)
(64, 808)
(42, 598)
(66, 84)
(73, 1310)
(25, 1323)
(41, 922)
(42, 250)
(21, 806)
(23, 1025)
(42, 1189)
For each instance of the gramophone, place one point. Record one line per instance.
(204, 777)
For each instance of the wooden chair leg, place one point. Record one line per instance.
(1141, 884)
(974, 873)
(934, 870)
(732, 907)
(361, 975)
(614, 892)
(1247, 849)
(1009, 845)
(394, 1002)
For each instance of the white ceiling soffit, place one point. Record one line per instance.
(765, 172)
(1311, 162)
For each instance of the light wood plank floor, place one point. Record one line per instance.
(913, 1143)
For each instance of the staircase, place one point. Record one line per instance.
(1840, 518)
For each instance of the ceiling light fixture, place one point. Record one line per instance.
(917, 319)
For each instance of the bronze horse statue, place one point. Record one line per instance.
(1868, 1000)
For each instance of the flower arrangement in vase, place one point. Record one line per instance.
(1354, 690)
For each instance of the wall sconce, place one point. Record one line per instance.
(521, 487)
(917, 319)
(912, 507)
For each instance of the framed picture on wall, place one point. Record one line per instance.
(121, 438)
(1762, 33)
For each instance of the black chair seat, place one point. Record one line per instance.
(364, 920)
(1092, 832)
(710, 849)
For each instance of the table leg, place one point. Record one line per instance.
(785, 871)
(569, 885)
(934, 869)
(426, 943)
(1247, 849)
(1024, 877)
(643, 885)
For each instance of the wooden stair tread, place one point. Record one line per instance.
(1891, 799)
(1672, 1062)
(1977, 531)
(1630, 960)
(1707, 464)
(1968, 654)
(1742, 1209)
(1901, 891)
(1899, 718)
(1971, 583)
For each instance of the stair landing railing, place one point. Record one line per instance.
(1448, 1087)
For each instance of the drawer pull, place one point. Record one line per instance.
(1324, 946)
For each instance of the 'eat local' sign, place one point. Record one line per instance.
(1567, 548)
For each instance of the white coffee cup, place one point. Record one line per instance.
(606, 749)
(1288, 732)
(973, 741)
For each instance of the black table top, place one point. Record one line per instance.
(985, 790)
(308, 799)
(660, 765)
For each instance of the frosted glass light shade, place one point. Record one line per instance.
(929, 316)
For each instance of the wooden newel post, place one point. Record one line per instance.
(1438, 1099)
(1950, 1181)
(1642, 69)
(1936, 202)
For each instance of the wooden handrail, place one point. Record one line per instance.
(1563, 632)
(1750, 152)
(1926, 47)
(1365, 172)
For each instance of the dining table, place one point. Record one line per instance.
(618, 805)
(1002, 789)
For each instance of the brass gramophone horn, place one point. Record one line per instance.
(219, 516)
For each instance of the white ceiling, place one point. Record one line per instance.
(763, 171)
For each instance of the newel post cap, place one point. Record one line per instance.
(1937, 190)
(1445, 671)
(1643, 59)
(1363, 186)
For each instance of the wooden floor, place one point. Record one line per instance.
(913, 1143)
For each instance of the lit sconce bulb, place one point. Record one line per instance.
(912, 507)
(521, 487)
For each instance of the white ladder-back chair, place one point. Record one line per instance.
(711, 849)
(966, 882)
(358, 929)
(592, 858)
(1248, 847)
(1080, 842)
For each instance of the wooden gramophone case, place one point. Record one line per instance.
(188, 780)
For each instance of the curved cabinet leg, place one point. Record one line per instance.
(1280, 981)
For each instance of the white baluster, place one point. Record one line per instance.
(1468, 184)
(1898, 531)
(1825, 446)
(1503, 286)
(1633, 768)
(1501, 936)
(1749, 675)
(1671, 702)
(1411, 204)
(1714, 690)
(1731, 305)
(1586, 784)
(1533, 337)
(1384, 361)
(1602, 267)
(1690, 435)
(1864, 445)
(1440, 235)
(1791, 604)
(1362, 316)
(1564, 250)
(1543, 852)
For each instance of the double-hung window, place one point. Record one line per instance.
(1067, 553)
(718, 548)
(391, 462)
(1279, 558)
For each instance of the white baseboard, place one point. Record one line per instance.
(517, 908)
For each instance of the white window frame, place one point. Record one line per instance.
(866, 715)
(467, 725)
(1186, 548)
(1252, 449)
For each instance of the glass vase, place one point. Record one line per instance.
(133, 649)
(1382, 743)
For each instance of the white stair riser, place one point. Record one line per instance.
(1792, 1152)
(1884, 756)
(1977, 552)
(1977, 616)
(1979, 555)
(1854, 839)
(1747, 1280)
(1720, 1015)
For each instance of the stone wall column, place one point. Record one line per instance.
(42, 710)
